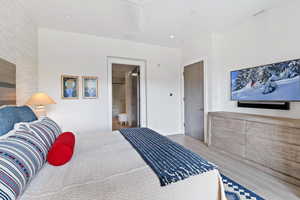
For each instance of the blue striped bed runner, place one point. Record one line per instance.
(170, 161)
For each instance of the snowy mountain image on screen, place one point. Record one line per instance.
(275, 82)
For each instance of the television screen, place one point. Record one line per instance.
(274, 82)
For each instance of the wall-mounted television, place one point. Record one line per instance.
(273, 82)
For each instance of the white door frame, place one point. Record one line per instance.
(143, 97)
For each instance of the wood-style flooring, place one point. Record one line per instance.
(116, 125)
(259, 182)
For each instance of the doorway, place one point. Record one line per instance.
(125, 96)
(142, 87)
(194, 100)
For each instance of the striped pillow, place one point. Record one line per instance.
(46, 121)
(45, 129)
(21, 157)
(34, 144)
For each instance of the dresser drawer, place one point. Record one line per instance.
(231, 125)
(229, 135)
(274, 147)
(270, 143)
(229, 144)
(273, 133)
(264, 151)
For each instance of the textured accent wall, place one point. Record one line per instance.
(18, 44)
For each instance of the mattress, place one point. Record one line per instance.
(106, 167)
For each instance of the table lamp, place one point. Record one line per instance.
(39, 101)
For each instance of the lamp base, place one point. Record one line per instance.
(40, 111)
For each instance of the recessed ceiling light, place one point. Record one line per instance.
(172, 36)
(259, 12)
(68, 17)
(193, 12)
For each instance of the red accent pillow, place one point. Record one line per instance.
(62, 150)
(68, 138)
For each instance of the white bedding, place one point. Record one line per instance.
(106, 167)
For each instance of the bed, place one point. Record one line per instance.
(106, 167)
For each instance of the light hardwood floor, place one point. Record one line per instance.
(116, 125)
(261, 183)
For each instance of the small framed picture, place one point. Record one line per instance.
(90, 87)
(69, 87)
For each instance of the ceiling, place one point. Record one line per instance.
(147, 21)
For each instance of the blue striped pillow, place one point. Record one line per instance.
(32, 143)
(55, 128)
(45, 129)
(21, 157)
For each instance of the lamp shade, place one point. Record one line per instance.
(40, 99)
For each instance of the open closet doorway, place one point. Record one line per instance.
(125, 96)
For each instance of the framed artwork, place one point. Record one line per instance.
(7, 83)
(69, 87)
(90, 87)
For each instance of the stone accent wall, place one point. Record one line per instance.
(18, 44)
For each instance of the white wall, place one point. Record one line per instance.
(193, 51)
(267, 38)
(197, 50)
(79, 54)
(18, 45)
(270, 37)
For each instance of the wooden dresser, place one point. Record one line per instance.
(271, 144)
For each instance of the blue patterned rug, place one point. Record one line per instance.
(235, 191)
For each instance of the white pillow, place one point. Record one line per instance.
(17, 125)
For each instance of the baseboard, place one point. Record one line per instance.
(169, 134)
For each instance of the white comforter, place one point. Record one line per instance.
(106, 167)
